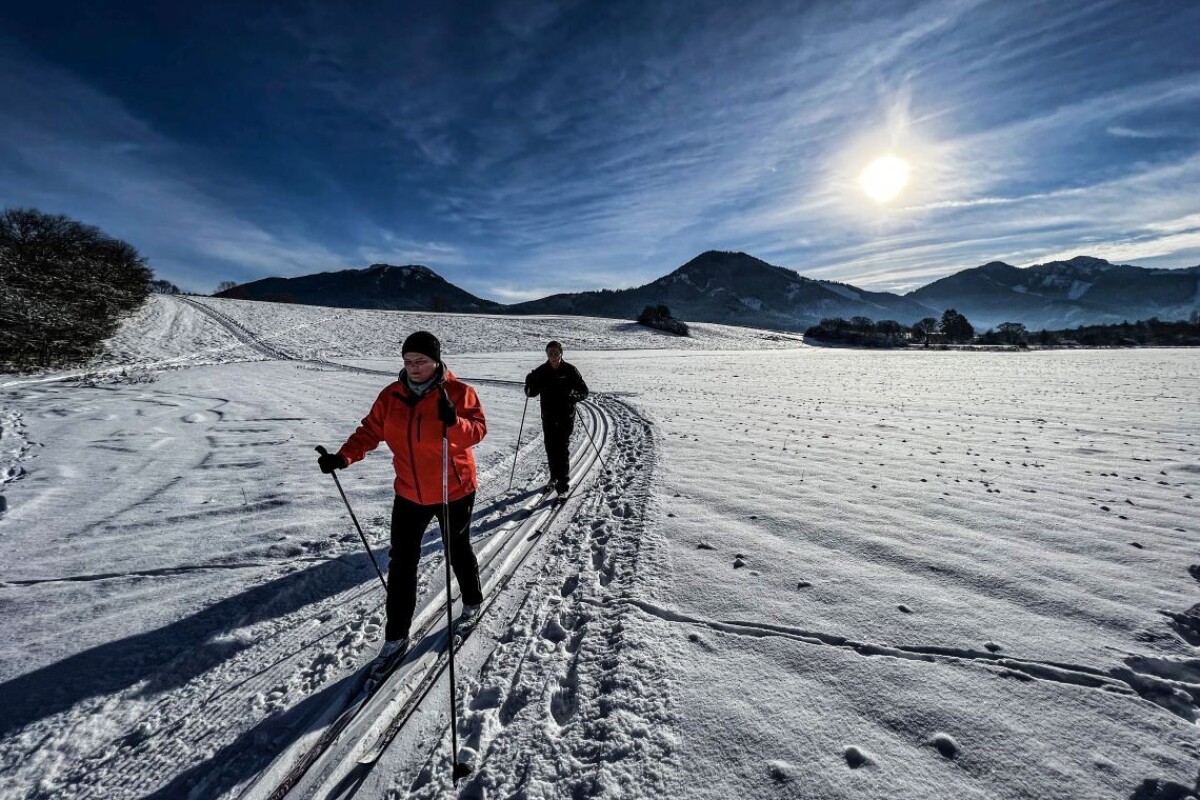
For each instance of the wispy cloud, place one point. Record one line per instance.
(570, 145)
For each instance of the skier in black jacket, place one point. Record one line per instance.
(560, 387)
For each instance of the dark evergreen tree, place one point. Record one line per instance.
(955, 327)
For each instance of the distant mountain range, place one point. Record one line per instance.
(738, 289)
(1063, 294)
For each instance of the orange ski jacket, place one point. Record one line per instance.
(410, 426)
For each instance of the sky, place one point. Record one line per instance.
(521, 148)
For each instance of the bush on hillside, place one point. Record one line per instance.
(659, 317)
(63, 288)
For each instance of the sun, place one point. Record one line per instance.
(884, 178)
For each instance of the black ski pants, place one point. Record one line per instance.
(409, 522)
(556, 431)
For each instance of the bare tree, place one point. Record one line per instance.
(923, 328)
(1012, 332)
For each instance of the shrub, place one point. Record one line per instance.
(63, 288)
(659, 317)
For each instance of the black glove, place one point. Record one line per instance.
(328, 462)
(575, 395)
(447, 413)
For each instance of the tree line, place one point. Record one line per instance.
(866, 332)
(954, 328)
(64, 287)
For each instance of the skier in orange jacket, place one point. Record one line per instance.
(411, 415)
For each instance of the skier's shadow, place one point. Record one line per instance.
(173, 655)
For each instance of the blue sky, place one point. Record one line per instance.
(521, 148)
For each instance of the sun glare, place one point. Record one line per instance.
(884, 178)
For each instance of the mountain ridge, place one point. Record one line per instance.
(732, 287)
(1083, 290)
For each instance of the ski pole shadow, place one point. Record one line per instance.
(175, 654)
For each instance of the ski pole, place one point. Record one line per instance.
(361, 535)
(607, 471)
(460, 770)
(519, 432)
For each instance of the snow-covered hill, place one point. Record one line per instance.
(797, 572)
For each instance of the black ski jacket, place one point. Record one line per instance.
(560, 389)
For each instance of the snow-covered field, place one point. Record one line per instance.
(798, 572)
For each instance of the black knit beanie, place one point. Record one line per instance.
(425, 343)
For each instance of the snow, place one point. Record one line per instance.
(1079, 289)
(798, 572)
(844, 291)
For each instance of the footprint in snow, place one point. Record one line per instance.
(487, 698)
(944, 743)
(782, 771)
(1161, 789)
(856, 757)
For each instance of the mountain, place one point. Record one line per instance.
(408, 288)
(739, 289)
(735, 289)
(1063, 294)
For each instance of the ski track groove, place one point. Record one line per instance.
(562, 690)
(511, 551)
(240, 333)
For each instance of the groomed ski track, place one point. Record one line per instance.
(418, 685)
(537, 558)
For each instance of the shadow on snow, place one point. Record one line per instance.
(173, 655)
